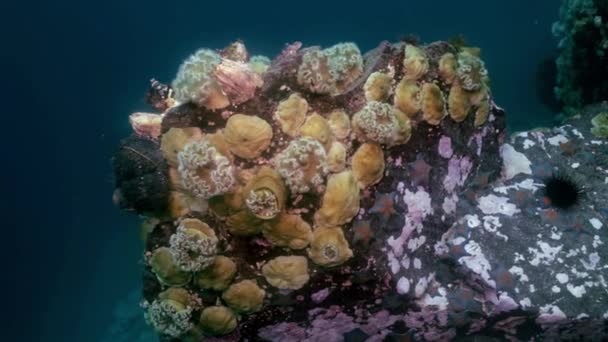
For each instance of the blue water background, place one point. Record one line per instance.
(75, 70)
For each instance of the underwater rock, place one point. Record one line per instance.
(536, 251)
(404, 226)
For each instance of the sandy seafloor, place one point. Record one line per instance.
(75, 71)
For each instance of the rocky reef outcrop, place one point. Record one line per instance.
(329, 195)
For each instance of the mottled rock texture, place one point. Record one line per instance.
(456, 239)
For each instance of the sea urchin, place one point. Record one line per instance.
(563, 191)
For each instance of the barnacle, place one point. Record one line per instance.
(329, 247)
(340, 201)
(317, 127)
(266, 194)
(287, 272)
(432, 104)
(291, 113)
(288, 230)
(244, 297)
(193, 245)
(217, 320)
(368, 164)
(218, 275)
(170, 314)
(247, 136)
(381, 123)
(415, 63)
(378, 86)
(330, 71)
(204, 171)
(339, 122)
(407, 97)
(302, 164)
(195, 81)
(336, 157)
(163, 265)
(471, 72)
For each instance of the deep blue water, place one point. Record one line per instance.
(75, 70)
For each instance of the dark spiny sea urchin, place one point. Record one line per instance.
(563, 190)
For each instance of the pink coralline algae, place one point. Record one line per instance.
(458, 171)
(445, 147)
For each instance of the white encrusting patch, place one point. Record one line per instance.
(525, 303)
(555, 289)
(491, 225)
(393, 262)
(418, 203)
(594, 260)
(449, 204)
(546, 255)
(492, 204)
(403, 286)
(556, 140)
(514, 162)
(415, 243)
(576, 291)
(562, 278)
(596, 241)
(549, 314)
(527, 184)
(472, 221)
(518, 271)
(422, 284)
(477, 262)
(528, 143)
(575, 165)
(440, 301)
(597, 224)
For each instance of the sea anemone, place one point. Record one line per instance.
(330, 71)
(170, 314)
(194, 245)
(204, 171)
(288, 230)
(287, 272)
(302, 164)
(218, 320)
(244, 297)
(381, 123)
(247, 136)
(218, 276)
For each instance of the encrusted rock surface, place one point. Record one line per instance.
(457, 238)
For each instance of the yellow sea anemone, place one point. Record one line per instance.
(247, 136)
(329, 247)
(368, 164)
(287, 272)
(340, 201)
